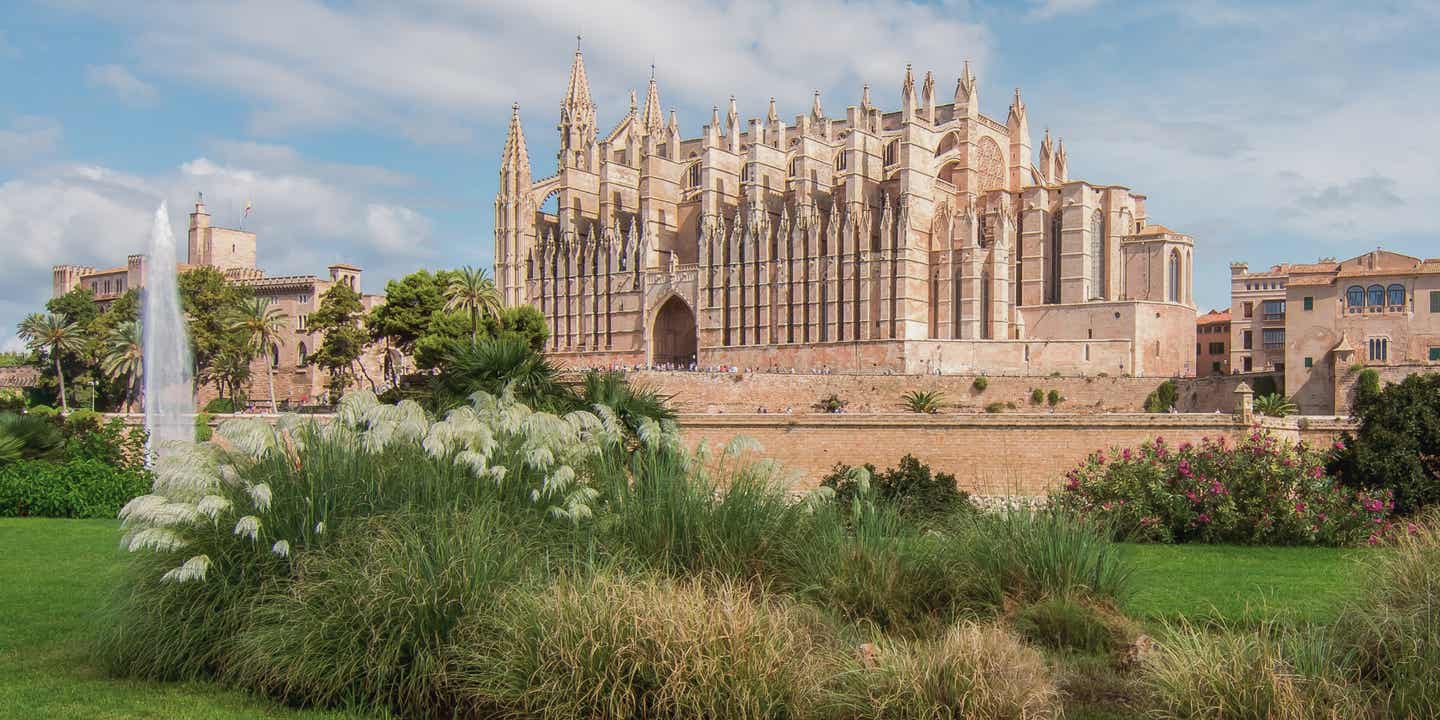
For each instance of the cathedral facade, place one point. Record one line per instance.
(925, 239)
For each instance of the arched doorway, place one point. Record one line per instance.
(673, 338)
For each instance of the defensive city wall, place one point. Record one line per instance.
(989, 454)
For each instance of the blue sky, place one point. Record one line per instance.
(369, 133)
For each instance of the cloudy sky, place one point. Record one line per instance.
(369, 133)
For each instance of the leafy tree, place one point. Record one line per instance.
(633, 404)
(338, 321)
(209, 301)
(124, 358)
(527, 323)
(231, 374)
(263, 326)
(1161, 399)
(471, 291)
(1398, 444)
(445, 329)
(53, 335)
(910, 488)
(410, 305)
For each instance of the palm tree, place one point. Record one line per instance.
(472, 290)
(922, 401)
(125, 357)
(54, 335)
(1274, 405)
(262, 326)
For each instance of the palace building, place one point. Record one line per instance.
(931, 238)
(232, 251)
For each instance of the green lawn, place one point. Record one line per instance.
(53, 577)
(1288, 584)
(54, 574)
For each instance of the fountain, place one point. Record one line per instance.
(169, 393)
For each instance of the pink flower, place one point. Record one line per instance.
(1203, 518)
(1317, 472)
(1191, 496)
(1339, 444)
(1125, 454)
(1300, 507)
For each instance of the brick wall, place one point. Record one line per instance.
(988, 454)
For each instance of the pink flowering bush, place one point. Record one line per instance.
(1260, 491)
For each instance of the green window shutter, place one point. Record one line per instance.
(1435, 301)
(1309, 362)
(1309, 303)
(1435, 354)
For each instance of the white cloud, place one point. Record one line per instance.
(434, 72)
(28, 139)
(121, 83)
(95, 216)
(13, 344)
(1047, 9)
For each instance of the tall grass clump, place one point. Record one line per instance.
(970, 671)
(610, 646)
(1269, 673)
(1394, 624)
(370, 618)
(1029, 554)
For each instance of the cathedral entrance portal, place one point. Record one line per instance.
(672, 340)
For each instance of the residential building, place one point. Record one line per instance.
(1257, 318)
(1212, 343)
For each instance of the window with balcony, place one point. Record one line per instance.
(1273, 338)
(1247, 340)
(1395, 295)
(1274, 309)
(1248, 309)
(1355, 297)
(1379, 349)
(1375, 296)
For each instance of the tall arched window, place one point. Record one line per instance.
(274, 356)
(795, 167)
(1097, 255)
(1175, 276)
(840, 161)
(304, 355)
(1052, 282)
(1355, 296)
(892, 152)
(747, 172)
(1375, 295)
(692, 177)
(1396, 295)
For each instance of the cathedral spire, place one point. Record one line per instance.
(577, 110)
(967, 101)
(815, 108)
(927, 96)
(653, 118)
(771, 116)
(732, 127)
(907, 94)
(515, 159)
(865, 98)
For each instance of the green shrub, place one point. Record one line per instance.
(113, 443)
(1067, 623)
(831, 403)
(1037, 396)
(220, 406)
(1275, 405)
(83, 421)
(1261, 491)
(922, 401)
(610, 647)
(203, 431)
(74, 489)
(1162, 398)
(970, 671)
(1397, 447)
(910, 487)
(42, 411)
(12, 400)
(995, 407)
(1054, 397)
(980, 383)
(1393, 625)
